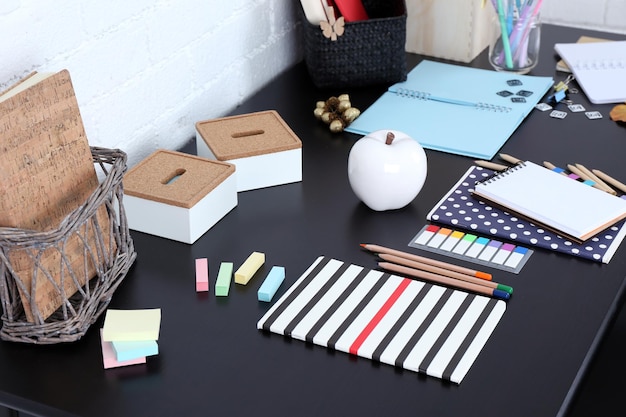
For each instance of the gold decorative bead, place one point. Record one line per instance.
(343, 105)
(318, 112)
(336, 125)
(350, 114)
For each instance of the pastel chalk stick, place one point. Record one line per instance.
(202, 275)
(108, 356)
(125, 351)
(249, 267)
(224, 276)
(271, 283)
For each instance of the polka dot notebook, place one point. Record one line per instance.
(461, 210)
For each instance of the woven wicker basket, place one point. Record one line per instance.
(100, 232)
(369, 52)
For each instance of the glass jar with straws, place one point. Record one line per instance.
(516, 34)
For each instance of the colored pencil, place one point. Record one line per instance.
(441, 279)
(442, 271)
(554, 168)
(595, 179)
(510, 159)
(417, 258)
(490, 165)
(615, 183)
(584, 176)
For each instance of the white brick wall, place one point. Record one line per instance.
(604, 15)
(145, 71)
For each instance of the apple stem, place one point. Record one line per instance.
(390, 138)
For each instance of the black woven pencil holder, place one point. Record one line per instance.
(369, 52)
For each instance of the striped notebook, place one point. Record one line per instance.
(402, 322)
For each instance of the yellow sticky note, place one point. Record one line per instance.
(249, 267)
(131, 325)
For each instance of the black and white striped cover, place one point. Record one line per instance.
(418, 326)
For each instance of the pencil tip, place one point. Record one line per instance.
(503, 295)
(483, 275)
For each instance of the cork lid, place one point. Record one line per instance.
(247, 135)
(175, 178)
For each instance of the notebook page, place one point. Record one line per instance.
(599, 67)
(554, 200)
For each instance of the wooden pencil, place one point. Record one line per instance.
(595, 179)
(615, 183)
(441, 279)
(442, 271)
(490, 165)
(382, 249)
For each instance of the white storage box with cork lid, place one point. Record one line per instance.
(178, 196)
(262, 146)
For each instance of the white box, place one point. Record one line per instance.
(178, 196)
(458, 30)
(261, 145)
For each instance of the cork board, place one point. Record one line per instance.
(47, 172)
(47, 169)
(175, 178)
(247, 135)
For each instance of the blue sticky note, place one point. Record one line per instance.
(128, 350)
(271, 283)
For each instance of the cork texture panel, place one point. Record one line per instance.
(47, 172)
(247, 135)
(175, 178)
(47, 169)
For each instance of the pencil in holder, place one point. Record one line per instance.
(368, 52)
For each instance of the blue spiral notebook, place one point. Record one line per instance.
(460, 209)
(455, 109)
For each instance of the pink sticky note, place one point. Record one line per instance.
(202, 275)
(108, 356)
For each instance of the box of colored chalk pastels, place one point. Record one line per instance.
(178, 196)
(261, 145)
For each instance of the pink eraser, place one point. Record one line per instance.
(108, 356)
(202, 275)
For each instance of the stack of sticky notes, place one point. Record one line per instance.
(129, 336)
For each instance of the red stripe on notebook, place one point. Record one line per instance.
(354, 348)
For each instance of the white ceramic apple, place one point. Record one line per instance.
(387, 169)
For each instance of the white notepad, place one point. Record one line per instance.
(566, 206)
(599, 67)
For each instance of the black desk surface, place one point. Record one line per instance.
(213, 360)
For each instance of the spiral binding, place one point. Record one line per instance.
(499, 174)
(493, 107)
(421, 95)
(601, 64)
